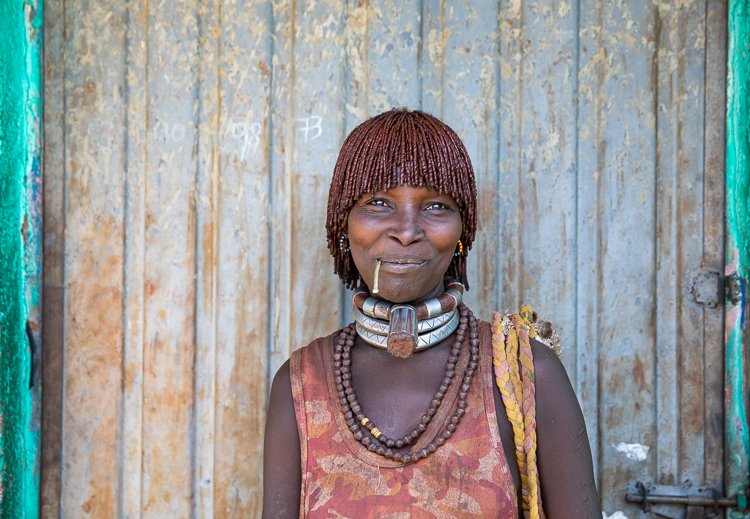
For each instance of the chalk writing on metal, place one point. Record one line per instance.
(165, 132)
(248, 134)
(311, 127)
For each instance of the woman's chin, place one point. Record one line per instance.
(401, 293)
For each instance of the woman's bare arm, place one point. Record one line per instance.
(564, 456)
(282, 477)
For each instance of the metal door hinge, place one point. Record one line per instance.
(686, 501)
(733, 288)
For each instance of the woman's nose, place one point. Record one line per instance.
(407, 228)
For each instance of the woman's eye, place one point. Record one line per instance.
(437, 206)
(378, 202)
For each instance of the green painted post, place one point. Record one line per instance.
(737, 264)
(20, 255)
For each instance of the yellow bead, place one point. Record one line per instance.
(376, 432)
(365, 420)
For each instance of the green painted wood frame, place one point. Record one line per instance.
(737, 262)
(20, 255)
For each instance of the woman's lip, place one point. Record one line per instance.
(400, 265)
(402, 261)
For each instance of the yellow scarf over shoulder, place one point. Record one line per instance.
(514, 374)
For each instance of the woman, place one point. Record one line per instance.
(400, 415)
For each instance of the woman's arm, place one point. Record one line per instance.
(282, 477)
(564, 456)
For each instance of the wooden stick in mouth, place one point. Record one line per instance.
(375, 281)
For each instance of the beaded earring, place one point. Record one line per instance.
(459, 249)
(344, 244)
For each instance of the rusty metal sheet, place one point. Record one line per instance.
(317, 89)
(615, 238)
(186, 198)
(93, 261)
(680, 65)
(305, 133)
(382, 51)
(537, 180)
(170, 245)
(713, 231)
(237, 264)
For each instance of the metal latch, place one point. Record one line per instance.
(685, 501)
(707, 288)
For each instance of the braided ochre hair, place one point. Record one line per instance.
(400, 147)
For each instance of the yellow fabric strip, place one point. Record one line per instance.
(513, 363)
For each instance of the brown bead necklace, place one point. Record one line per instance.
(370, 436)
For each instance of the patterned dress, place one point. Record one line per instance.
(466, 477)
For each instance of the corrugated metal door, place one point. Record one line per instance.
(189, 147)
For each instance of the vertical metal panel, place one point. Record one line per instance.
(53, 276)
(280, 144)
(32, 234)
(128, 496)
(93, 263)
(172, 253)
(243, 85)
(713, 231)
(537, 180)
(680, 65)
(186, 198)
(316, 97)
(383, 45)
(616, 230)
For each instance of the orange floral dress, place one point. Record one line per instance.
(466, 477)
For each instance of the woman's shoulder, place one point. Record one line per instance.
(551, 381)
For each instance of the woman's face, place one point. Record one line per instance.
(413, 231)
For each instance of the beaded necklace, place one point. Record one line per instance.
(368, 434)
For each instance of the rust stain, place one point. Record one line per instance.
(264, 67)
(149, 219)
(101, 500)
(149, 288)
(209, 263)
(92, 375)
(25, 227)
(90, 94)
(168, 404)
(639, 373)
